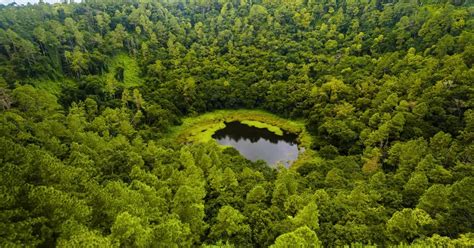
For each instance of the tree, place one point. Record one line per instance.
(39, 104)
(56, 207)
(128, 230)
(285, 185)
(117, 37)
(172, 233)
(440, 144)
(405, 156)
(301, 237)
(258, 14)
(435, 200)
(187, 204)
(256, 195)
(414, 188)
(433, 170)
(5, 99)
(334, 89)
(86, 238)
(461, 213)
(230, 225)
(406, 225)
(308, 216)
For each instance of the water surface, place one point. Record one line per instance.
(259, 143)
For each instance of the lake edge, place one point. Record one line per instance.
(200, 128)
(259, 142)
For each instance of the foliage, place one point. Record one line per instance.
(103, 104)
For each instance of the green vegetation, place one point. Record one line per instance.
(202, 127)
(104, 106)
(125, 70)
(51, 86)
(274, 129)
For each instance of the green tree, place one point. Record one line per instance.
(308, 216)
(230, 225)
(435, 200)
(188, 205)
(301, 237)
(414, 188)
(408, 224)
(128, 230)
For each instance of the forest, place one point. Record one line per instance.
(93, 94)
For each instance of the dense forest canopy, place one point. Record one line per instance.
(89, 92)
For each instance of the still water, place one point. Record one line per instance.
(259, 143)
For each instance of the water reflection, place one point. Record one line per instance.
(259, 143)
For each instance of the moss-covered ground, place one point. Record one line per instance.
(131, 70)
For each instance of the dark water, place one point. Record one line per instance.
(259, 143)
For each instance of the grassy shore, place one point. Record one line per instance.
(201, 128)
(269, 127)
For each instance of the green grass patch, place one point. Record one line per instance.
(130, 68)
(52, 86)
(258, 124)
(48, 85)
